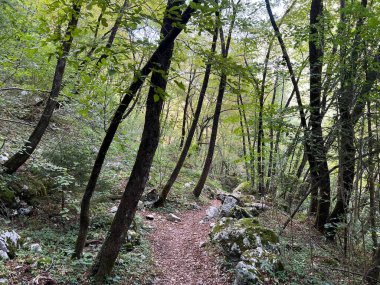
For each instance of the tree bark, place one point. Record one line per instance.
(321, 173)
(138, 81)
(19, 158)
(149, 141)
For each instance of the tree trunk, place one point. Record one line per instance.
(190, 135)
(138, 81)
(308, 150)
(19, 158)
(225, 45)
(187, 100)
(347, 133)
(316, 39)
(140, 173)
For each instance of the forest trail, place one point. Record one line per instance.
(179, 256)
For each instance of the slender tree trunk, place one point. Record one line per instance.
(140, 173)
(190, 135)
(19, 158)
(225, 45)
(187, 101)
(138, 81)
(245, 154)
(271, 137)
(372, 275)
(250, 146)
(371, 179)
(310, 152)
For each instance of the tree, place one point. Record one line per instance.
(190, 135)
(225, 46)
(149, 142)
(19, 158)
(137, 82)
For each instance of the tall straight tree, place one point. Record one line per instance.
(321, 173)
(19, 158)
(137, 82)
(310, 152)
(190, 135)
(225, 46)
(149, 141)
(347, 123)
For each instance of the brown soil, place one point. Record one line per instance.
(181, 257)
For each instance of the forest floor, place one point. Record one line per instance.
(180, 250)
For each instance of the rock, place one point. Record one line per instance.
(228, 204)
(243, 212)
(193, 206)
(212, 212)
(173, 218)
(25, 211)
(43, 279)
(260, 206)
(237, 236)
(149, 217)
(243, 188)
(151, 195)
(3, 281)
(220, 196)
(256, 266)
(4, 157)
(113, 209)
(140, 206)
(133, 239)
(9, 243)
(35, 247)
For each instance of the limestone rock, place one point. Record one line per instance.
(237, 236)
(212, 212)
(9, 243)
(35, 247)
(173, 218)
(228, 204)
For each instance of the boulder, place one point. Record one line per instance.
(243, 212)
(9, 243)
(243, 188)
(228, 204)
(256, 267)
(237, 236)
(212, 212)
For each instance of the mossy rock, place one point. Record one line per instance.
(28, 187)
(237, 236)
(133, 239)
(257, 266)
(244, 212)
(244, 188)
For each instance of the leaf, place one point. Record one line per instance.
(180, 85)
(156, 98)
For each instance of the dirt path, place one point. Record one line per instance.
(179, 257)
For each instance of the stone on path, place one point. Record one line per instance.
(173, 218)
